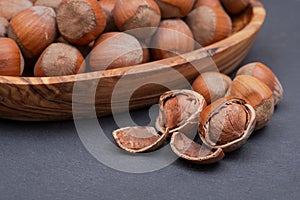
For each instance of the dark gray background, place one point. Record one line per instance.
(48, 160)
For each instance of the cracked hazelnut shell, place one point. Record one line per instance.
(227, 123)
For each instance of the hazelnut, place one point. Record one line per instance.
(80, 21)
(114, 50)
(137, 14)
(9, 8)
(235, 6)
(212, 85)
(172, 38)
(52, 4)
(264, 74)
(146, 53)
(210, 3)
(209, 24)
(59, 59)
(257, 94)
(179, 110)
(3, 26)
(227, 123)
(191, 151)
(33, 29)
(175, 8)
(139, 139)
(108, 6)
(11, 59)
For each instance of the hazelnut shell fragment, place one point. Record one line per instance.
(179, 110)
(189, 150)
(139, 139)
(227, 123)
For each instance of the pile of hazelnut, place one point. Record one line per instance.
(224, 113)
(63, 37)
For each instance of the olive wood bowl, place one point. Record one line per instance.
(51, 98)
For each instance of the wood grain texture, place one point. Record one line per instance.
(51, 98)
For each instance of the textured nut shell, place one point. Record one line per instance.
(212, 85)
(33, 29)
(3, 26)
(189, 150)
(9, 8)
(172, 38)
(80, 21)
(139, 139)
(108, 6)
(213, 108)
(264, 74)
(59, 59)
(49, 3)
(175, 8)
(11, 59)
(136, 14)
(211, 3)
(257, 94)
(209, 24)
(188, 121)
(235, 6)
(115, 50)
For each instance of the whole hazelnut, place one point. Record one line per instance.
(175, 8)
(210, 3)
(3, 26)
(9, 8)
(227, 123)
(137, 15)
(11, 59)
(80, 21)
(264, 74)
(257, 94)
(108, 6)
(235, 6)
(52, 4)
(209, 24)
(212, 85)
(33, 29)
(172, 38)
(114, 50)
(59, 59)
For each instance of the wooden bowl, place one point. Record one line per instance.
(94, 94)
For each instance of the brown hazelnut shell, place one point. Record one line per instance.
(114, 50)
(212, 85)
(139, 139)
(193, 152)
(257, 94)
(59, 59)
(180, 114)
(3, 26)
(108, 6)
(264, 74)
(136, 14)
(213, 110)
(210, 3)
(173, 37)
(209, 24)
(9, 8)
(84, 25)
(11, 59)
(175, 8)
(33, 29)
(235, 6)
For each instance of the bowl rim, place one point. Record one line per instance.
(256, 21)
